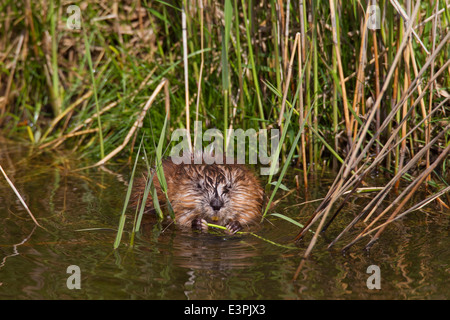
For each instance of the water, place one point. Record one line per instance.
(80, 211)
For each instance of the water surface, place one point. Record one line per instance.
(80, 211)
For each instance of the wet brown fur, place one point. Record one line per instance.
(195, 189)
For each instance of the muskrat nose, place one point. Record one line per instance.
(216, 204)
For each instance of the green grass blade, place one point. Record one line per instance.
(127, 199)
(159, 156)
(282, 216)
(287, 163)
(253, 65)
(160, 170)
(94, 88)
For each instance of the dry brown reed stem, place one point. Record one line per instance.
(280, 26)
(376, 105)
(139, 121)
(350, 162)
(341, 72)
(406, 82)
(19, 196)
(301, 110)
(323, 204)
(377, 199)
(419, 87)
(56, 142)
(432, 17)
(410, 191)
(377, 83)
(166, 100)
(360, 74)
(332, 190)
(386, 148)
(417, 206)
(397, 177)
(362, 135)
(58, 118)
(302, 29)
(288, 80)
(406, 95)
(286, 34)
(372, 61)
(407, 19)
(428, 127)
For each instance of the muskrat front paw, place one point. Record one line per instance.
(199, 224)
(234, 226)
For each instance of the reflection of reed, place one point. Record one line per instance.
(215, 252)
(208, 262)
(13, 188)
(15, 248)
(211, 262)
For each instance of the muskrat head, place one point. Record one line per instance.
(219, 194)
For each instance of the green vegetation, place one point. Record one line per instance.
(345, 96)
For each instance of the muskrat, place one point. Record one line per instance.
(229, 195)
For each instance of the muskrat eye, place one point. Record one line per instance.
(226, 189)
(199, 185)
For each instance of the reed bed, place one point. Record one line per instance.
(347, 95)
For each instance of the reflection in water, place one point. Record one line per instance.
(14, 248)
(210, 261)
(215, 250)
